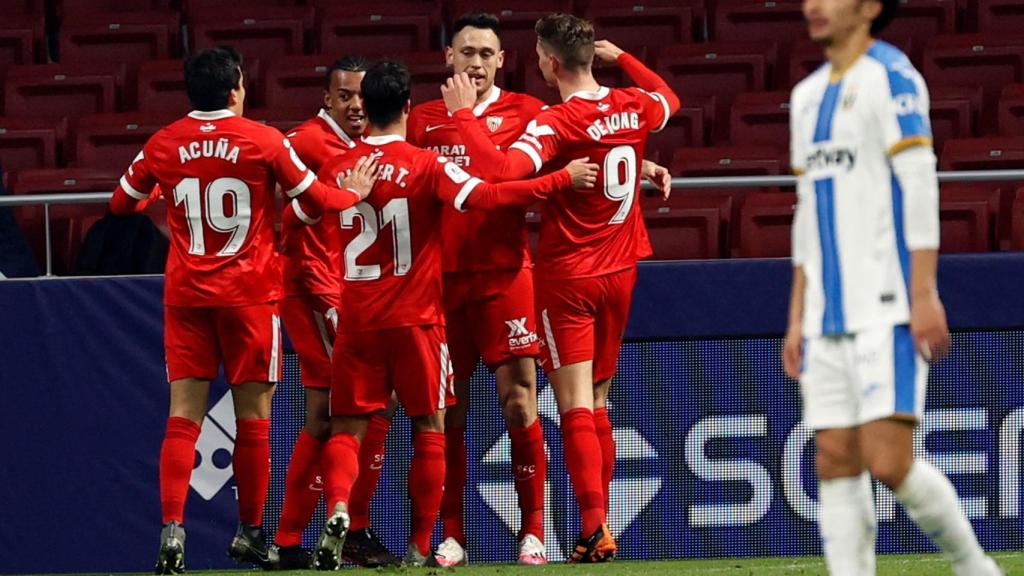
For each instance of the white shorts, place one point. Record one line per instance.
(849, 380)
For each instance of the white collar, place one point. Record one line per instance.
(323, 115)
(480, 108)
(602, 93)
(382, 140)
(214, 115)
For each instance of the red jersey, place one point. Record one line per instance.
(392, 239)
(594, 232)
(311, 253)
(218, 173)
(478, 241)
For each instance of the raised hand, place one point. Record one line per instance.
(362, 176)
(458, 92)
(607, 52)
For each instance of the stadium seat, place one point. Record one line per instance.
(127, 37)
(919, 21)
(23, 7)
(198, 7)
(1017, 238)
(760, 118)
(28, 144)
(976, 60)
(999, 209)
(720, 70)
(21, 39)
(111, 141)
(374, 34)
(999, 153)
(55, 90)
(684, 128)
(602, 9)
(805, 57)
(730, 161)
(68, 222)
(257, 32)
(284, 119)
(517, 19)
(766, 221)
(611, 75)
(1005, 17)
(160, 86)
(776, 22)
(1011, 110)
(953, 109)
(69, 10)
(964, 225)
(637, 23)
(688, 226)
(328, 9)
(295, 80)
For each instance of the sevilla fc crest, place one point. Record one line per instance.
(494, 122)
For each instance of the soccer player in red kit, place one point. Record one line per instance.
(311, 256)
(488, 290)
(589, 242)
(218, 173)
(391, 336)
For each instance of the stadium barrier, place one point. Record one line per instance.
(712, 458)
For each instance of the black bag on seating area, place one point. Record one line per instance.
(118, 245)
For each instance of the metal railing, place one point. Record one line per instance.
(677, 183)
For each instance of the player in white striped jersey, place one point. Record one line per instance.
(865, 314)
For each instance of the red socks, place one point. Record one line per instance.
(371, 460)
(300, 498)
(454, 484)
(251, 462)
(177, 458)
(426, 484)
(530, 469)
(603, 426)
(583, 462)
(340, 463)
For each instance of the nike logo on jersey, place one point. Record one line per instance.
(434, 127)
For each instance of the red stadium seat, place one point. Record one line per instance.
(766, 221)
(999, 211)
(689, 226)
(517, 19)
(292, 81)
(69, 222)
(111, 141)
(161, 87)
(256, 32)
(28, 144)
(326, 9)
(964, 225)
(611, 75)
(284, 119)
(55, 90)
(22, 7)
(976, 60)
(1017, 238)
(69, 10)
(760, 118)
(1005, 17)
(953, 109)
(199, 7)
(637, 22)
(602, 9)
(127, 37)
(720, 70)
(374, 34)
(918, 21)
(1011, 111)
(730, 161)
(804, 57)
(684, 128)
(21, 39)
(777, 22)
(1000, 153)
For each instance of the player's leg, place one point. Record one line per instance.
(250, 337)
(464, 355)
(311, 325)
(846, 514)
(423, 384)
(893, 380)
(190, 367)
(503, 316)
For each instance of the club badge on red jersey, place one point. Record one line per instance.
(494, 122)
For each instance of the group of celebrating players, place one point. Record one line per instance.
(404, 261)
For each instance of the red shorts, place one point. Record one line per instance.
(489, 315)
(412, 361)
(584, 319)
(247, 339)
(312, 323)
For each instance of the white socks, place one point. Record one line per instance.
(846, 518)
(932, 503)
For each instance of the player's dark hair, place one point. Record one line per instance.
(353, 63)
(569, 38)
(888, 12)
(386, 89)
(211, 75)
(481, 20)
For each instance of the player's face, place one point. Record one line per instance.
(829, 21)
(547, 63)
(344, 102)
(477, 52)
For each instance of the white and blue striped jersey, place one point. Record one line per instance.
(852, 233)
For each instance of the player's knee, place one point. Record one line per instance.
(519, 410)
(833, 460)
(318, 428)
(889, 471)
